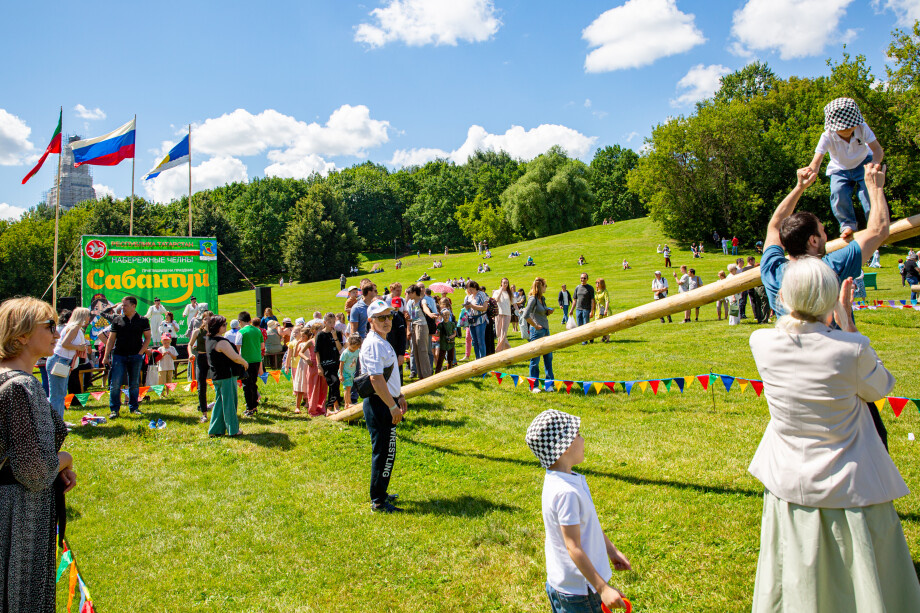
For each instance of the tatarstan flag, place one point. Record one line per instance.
(53, 147)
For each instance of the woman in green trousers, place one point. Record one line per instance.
(221, 356)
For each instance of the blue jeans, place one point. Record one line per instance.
(573, 603)
(734, 249)
(547, 358)
(911, 281)
(57, 385)
(565, 314)
(843, 183)
(122, 365)
(582, 316)
(43, 371)
(479, 340)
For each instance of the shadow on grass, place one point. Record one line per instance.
(104, 431)
(696, 487)
(270, 440)
(425, 422)
(462, 506)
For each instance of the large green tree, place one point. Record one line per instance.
(374, 203)
(554, 195)
(442, 188)
(321, 242)
(612, 196)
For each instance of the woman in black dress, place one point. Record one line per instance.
(34, 473)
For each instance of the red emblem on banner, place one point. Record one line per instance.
(96, 249)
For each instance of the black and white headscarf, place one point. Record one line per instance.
(550, 434)
(842, 114)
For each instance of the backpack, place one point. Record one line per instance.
(492, 310)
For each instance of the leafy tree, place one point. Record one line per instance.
(554, 195)
(442, 188)
(321, 242)
(480, 220)
(373, 203)
(755, 79)
(613, 198)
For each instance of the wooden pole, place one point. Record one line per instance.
(900, 230)
(57, 218)
(133, 157)
(190, 180)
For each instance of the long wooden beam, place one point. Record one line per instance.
(900, 230)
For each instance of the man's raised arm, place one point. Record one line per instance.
(877, 226)
(805, 177)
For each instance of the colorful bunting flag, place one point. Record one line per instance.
(727, 381)
(586, 387)
(97, 395)
(287, 375)
(171, 386)
(682, 382)
(516, 379)
(628, 385)
(880, 404)
(611, 385)
(498, 376)
(158, 389)
(598, 386)
(83, 399)
(264, 377)
(704, 381)
(142, 392)
(897, 405)
(568, 386)
(559, 385)
(643, 385)
(68, 399)
(654, 385)
(531, 381)
(276, 375)
(72, 586)
(742, 383)
(667, 384)
(66, 559)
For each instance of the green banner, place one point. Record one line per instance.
(171, 268)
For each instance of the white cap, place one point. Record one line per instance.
(376, 308)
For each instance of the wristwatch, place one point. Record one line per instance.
(395, 406)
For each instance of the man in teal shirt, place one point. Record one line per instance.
(251, 349)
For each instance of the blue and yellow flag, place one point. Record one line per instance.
(177, 156)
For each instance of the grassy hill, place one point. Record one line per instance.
(279, 519)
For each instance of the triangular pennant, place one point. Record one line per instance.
(68, 399)
(264, 377)
(727, 381)
(598, 386)
(97, 395)
(611, 385)
(704, 381)
(66, 559)
(568, 386)
(158, 389)
(515, 379)
(72, 587)
(171, 386)
(742, 383)
(498, 376)
(84, 589)
(531, 381)
(286, 374)
(897, 405)
(276, 375)
(191, 387)
(667, 383)
(757, 385)
(586, 386)
(681, 381)
(879, 404)
(559, 385)
(142, 392)
(916, 402)
(210, 383)
(239, 383)
(688, 381)
(628, 385)
(654, 385)
(82, 398)
(643, 385)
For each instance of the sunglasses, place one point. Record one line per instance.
(49, 323)
(383, 317)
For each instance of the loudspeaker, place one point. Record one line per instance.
(263, 300)
(67, 302)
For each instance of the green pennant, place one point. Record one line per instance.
(286, 374)
(667, 384)
(82, 398)
(158, 389)
(916, 401)
(66, 561)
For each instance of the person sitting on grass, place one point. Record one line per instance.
(626, 265)
(529, 261)
(578, 553)
(581, 260)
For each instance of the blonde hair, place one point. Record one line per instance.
(809, 291)
(296, 332)
(536, 288)
(600, 281)
(272, 324)
(19, 317)
(76, 320)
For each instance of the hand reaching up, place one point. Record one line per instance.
(806, 176)
(875, 175)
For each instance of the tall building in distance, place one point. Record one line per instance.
(76, 183)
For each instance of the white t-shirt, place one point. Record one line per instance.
(78, 339)
(683, 284)
(845, 155)
(170, 328)
(661, 283)
(234, 336)
(567, 502)
(168, 355)
(376, 355)
(504, 303)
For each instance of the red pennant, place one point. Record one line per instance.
(757, 385)
(704, 381)
(142, 392)
(97, 395)
(611, 385)
(498, 376)
(531, 380)
(654, 385)
(568, 386)
(897, 405)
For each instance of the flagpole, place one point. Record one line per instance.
(133, 157)
(190, 179)
(57, 216)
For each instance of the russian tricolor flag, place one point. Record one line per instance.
(106, 150)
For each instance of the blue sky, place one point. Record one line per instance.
(288, 88)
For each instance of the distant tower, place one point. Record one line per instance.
(76, 183)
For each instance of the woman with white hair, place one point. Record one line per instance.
(830, 540)
(60, 364)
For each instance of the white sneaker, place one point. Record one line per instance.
(536, 390)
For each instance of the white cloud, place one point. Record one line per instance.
(349, 131)
(15, 147)
(793, 28)
(214, 172)
(85, 113)
(632, 135)
(427, 22)
(8, 211)
(517, 142)
(296, 166)
(699, 83)
(638, 33)
(102, 191)
(587, 103)
(907, 11)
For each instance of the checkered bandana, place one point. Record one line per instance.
(550, 434)
(842, 114)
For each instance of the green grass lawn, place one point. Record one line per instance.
(279, 520)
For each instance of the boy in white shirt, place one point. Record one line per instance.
(578, 553)
(851, 145)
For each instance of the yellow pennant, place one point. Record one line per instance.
(643, 385)
(688, 381)
(559, 385)
(743, 383)
(598, 386)
(880, 404)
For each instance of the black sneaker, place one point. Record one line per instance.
(113, 415)
(392, 497)
(385, 508)
(136, 412)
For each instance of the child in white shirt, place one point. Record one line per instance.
(578, 553)
(166, 365)
(851, 145)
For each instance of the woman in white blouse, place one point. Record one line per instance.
(505, 299)
(831, 540)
